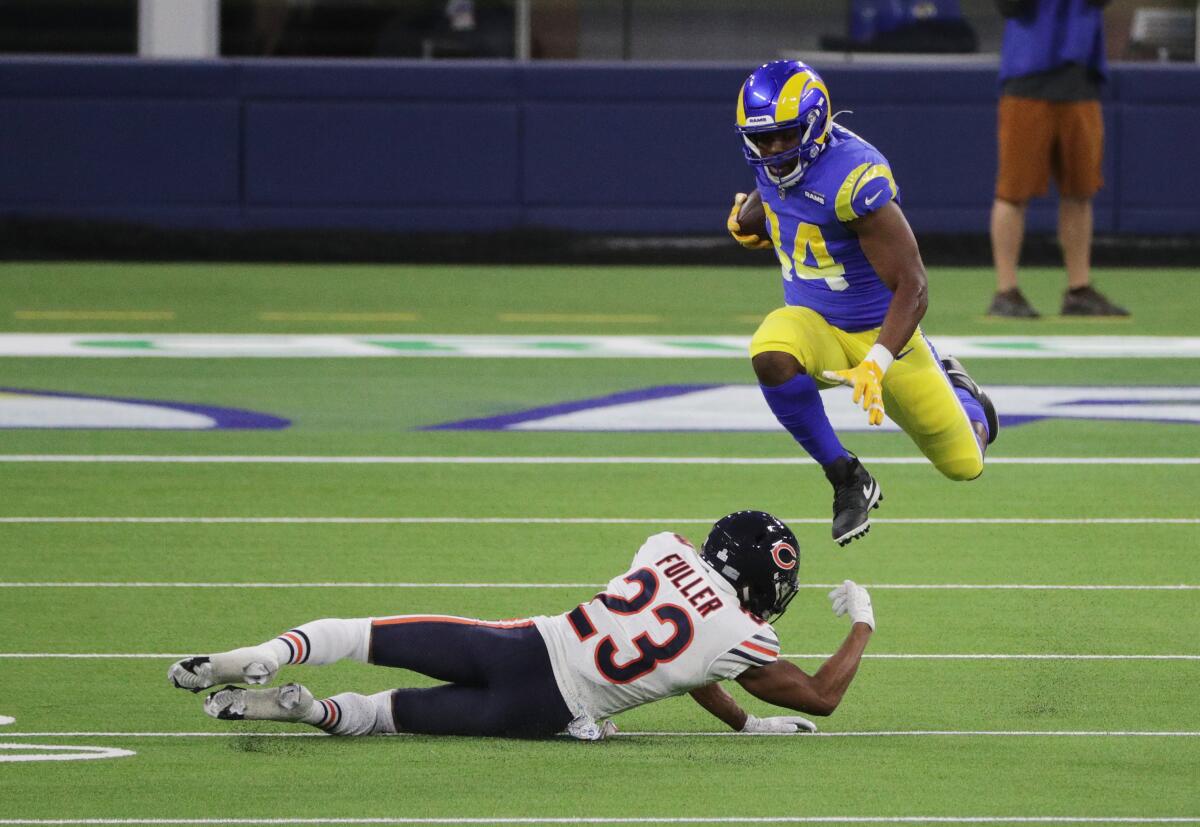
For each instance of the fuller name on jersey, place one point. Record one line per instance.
(668, 625)
(824, 268)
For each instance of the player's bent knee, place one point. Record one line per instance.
(962, 469)
(773, 367)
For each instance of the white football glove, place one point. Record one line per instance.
(585, 728)
(781, 725)
(851, 598)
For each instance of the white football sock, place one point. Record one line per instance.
(250, 664)
(352, 714)
(322, 642)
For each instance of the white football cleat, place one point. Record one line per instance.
(252, 664)
(290, 702)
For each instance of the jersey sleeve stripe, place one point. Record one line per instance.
(756, 648)
(843, 205)
(770, 641)
(747, 656)
(862, 175)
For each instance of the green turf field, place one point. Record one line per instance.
(999, 687)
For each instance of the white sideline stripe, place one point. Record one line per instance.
(898, 733)
(646, 820)
(52, 584)
(800, 656)
(598, 520)
(553, 460)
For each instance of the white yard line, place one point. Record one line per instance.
(799, 656)
(640, 820)
(663, 521)
(74, 584)
(293, 346)
(232, 459)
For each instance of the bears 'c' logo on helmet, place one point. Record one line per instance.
(785, 556)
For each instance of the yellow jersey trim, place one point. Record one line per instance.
(858, 178)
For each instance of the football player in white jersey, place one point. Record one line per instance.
(679, 620)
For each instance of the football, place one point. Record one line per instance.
(752, 217)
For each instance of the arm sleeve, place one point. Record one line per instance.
(868, 187)
(758, 649)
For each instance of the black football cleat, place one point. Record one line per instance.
(959, 378)
(855, 493)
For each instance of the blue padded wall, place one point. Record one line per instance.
(474, 146)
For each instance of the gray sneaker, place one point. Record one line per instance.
(251, 664)
(1088, 301)
(1011, 304)
(290, 702)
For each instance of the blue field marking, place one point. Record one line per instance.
(502, 422)
(740, 408)
(24, 408)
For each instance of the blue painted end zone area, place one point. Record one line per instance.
(504, 421)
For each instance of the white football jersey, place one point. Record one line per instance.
(667, 626)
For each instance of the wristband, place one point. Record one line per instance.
(881, 356)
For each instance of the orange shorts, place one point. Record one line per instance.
(1039, 138)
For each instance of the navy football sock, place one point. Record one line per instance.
(797, 405)
(973, 408)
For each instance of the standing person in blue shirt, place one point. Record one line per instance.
(854, 291)
(1051, 69)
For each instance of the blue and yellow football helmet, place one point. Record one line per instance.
(784, 94)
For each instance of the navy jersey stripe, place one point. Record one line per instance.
(739, 653)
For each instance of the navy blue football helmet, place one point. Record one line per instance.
(784, 94)
(759, 556)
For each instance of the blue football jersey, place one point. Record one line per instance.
(824, 267)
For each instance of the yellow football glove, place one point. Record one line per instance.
(867, 381)
(750, 241)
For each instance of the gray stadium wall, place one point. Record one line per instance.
(480, 146)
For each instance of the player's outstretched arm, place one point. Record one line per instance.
(784, 684)
(720, 703)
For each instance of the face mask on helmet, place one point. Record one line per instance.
(760, 558)
(783, 117)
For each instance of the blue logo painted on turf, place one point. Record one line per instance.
(702, 408)
(23, 408)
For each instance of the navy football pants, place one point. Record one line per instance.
(499, 678)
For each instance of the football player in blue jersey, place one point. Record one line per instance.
(854, 292)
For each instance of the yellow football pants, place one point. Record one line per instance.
(917, 396)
